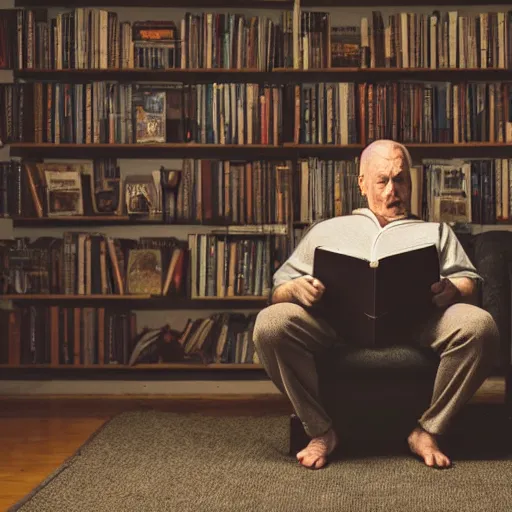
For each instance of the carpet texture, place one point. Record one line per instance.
(156, 461)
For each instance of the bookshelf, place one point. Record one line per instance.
(284, 149)
(141, 301)
(277, 75)
(253, 151)
(253, 4)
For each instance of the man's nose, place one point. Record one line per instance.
(390, 188)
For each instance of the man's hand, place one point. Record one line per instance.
(305, 291)
(445, 293)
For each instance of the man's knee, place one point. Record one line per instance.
(274, 321)
(478, 325)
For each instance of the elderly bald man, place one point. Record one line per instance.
(287, 333)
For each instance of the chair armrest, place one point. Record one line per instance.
(493, 261)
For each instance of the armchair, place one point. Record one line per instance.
(394, 385)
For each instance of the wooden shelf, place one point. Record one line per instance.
(246, 4)
(138, 367)
(210, 4)
(383, 4)
(277, 76)
(152, 75)
(418, 151)
(150, 151)
(123, 220)
(253, 151)
(142, 301)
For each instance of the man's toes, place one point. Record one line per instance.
(442, 461)
(319, 463)
(313, 462)
(429, 459)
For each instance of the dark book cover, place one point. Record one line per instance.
(376, 303)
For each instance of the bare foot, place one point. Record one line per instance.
(424, 444)
(314, 456)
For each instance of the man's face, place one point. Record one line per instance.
(387, 184)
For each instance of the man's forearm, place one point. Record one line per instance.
(282, 294)
(467, 288)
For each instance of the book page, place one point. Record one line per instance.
(399, 238)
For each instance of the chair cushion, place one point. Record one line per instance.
(400, 360)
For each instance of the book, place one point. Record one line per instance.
(376, 301)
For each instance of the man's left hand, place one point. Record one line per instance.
(445, 293)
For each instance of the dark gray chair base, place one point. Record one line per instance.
(375, 395)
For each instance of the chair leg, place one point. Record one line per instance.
(298, 437)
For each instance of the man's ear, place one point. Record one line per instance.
(362, 185)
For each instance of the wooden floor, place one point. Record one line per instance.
(38, 434)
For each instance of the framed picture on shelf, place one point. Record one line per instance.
(64, 193)
(150, 116)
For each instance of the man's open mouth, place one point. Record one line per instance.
(395, 204)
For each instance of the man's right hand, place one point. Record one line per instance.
(305, 291)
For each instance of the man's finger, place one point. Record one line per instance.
(437, 287)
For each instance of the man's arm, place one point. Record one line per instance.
(459, 276)
(466, 288)
(304, 291)
(293, 281)
(282, 293)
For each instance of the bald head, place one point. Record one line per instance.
(384, 177)
(382, 148)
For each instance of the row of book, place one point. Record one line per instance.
(233, 266)
(108, 112)
(251, 196)
(234, 192)
(91, 263)
(79, 263)
(322, 113)
(217, 192)
(457, 191)
(87, 38)
(60, 189)
(64, 335)
(442, 39)
(463, 192)
(221, 338)
(325, 189)
(409, 112)
(75, 336)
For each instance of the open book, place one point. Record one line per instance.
(376, 302)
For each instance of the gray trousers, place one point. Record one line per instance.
(465, 337)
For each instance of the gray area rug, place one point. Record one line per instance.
(156, 461)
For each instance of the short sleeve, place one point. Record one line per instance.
(453, 260)
(300, 262)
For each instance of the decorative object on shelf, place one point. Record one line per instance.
(107, 187)
(150, 115)
(144, 272)
(59, 189)
(170, 180)
(449, 190)
(64, 193)
(345, 46)
(143, 195)
(156, 44)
